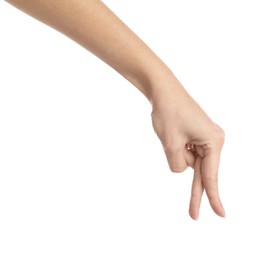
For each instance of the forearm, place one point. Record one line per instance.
(91, 24)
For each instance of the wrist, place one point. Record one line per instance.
(162, 88)
(156, 83)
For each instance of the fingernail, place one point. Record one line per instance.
(223, 213)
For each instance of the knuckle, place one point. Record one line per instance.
(195, 195)
(219, 135)
(210, 179)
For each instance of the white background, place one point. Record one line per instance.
(82, 174)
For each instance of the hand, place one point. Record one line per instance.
(177, 119)
(189, 138)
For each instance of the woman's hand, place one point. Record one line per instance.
(189, 138)
(177, 119)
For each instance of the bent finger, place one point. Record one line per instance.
(176, 159)
(190, 158)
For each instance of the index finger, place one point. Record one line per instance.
(210, 164)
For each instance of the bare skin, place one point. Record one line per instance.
(189, 137)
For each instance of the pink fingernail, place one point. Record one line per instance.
(223, 213)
